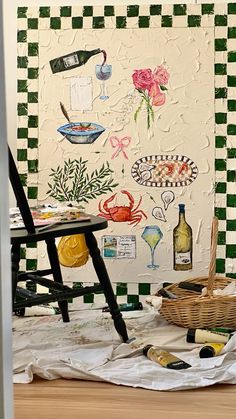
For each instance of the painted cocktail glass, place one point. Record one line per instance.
(103, 73)
(152, 236)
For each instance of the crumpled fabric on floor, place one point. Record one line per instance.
(89, 348)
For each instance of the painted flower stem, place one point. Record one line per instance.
(150, 112)
(138, 110)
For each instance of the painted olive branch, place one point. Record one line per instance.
(72, 183)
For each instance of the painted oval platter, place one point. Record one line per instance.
(164, 171)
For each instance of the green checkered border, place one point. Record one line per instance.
(222, 17)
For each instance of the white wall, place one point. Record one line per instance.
(5, 276)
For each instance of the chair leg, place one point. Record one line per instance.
(57, 276)
(105, 282)
(15, 265)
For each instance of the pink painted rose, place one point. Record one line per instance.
(161, 75)
(143, 79)
(150, 85)
(158, 98)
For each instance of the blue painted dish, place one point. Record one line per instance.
(81, 132)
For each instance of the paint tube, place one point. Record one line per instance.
(167, 294)
(220, 329)
(126, 307)
(164, 358)
(205, 336)
(191, 286)
(210, 350)
(166, 284)
(43, 310)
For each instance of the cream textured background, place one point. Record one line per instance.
(183, 125)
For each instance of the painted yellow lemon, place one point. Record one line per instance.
(73, 251)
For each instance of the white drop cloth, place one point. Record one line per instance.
(89, 348)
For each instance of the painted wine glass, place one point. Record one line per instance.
(152, 236)
(103, 72)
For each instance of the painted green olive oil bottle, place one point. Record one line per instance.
(182, 243)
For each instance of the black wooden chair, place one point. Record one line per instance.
(57, 290)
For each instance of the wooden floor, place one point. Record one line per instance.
(70, 399)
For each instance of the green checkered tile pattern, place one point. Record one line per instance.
(125, 292)
(28, 256)
(221, 17)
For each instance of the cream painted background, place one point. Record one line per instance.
(183, 125)
(10, 27)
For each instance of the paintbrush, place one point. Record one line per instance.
(65, 113)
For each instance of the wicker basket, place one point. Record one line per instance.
(196, 311)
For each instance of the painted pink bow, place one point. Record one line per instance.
(119, 144)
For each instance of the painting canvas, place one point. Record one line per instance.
(128, 110)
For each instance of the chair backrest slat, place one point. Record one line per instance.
(19, 193)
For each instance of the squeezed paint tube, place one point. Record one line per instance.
(210, 350)
(42, 310)
(164, 358)
(205, 336)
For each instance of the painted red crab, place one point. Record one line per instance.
(122, 213)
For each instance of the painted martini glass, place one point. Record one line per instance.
(152, 236)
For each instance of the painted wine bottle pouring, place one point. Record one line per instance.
(182, 243)
(74, 59)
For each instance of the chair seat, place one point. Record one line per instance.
(20, 235)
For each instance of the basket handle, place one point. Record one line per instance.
(212, 266)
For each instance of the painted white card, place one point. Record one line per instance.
(81, 94)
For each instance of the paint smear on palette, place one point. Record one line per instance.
(164, 171)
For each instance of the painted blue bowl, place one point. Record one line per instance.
(81, 132)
